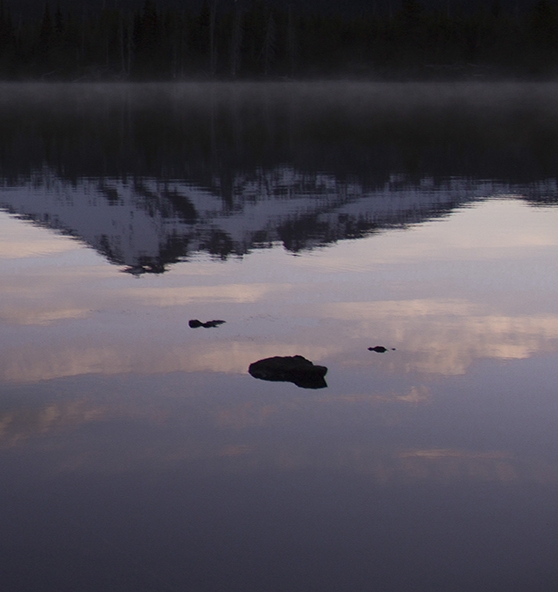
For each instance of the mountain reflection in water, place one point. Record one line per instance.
(149, 175)
(138, 452)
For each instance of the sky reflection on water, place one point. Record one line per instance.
(137, 453)
(444, 294)
(138, 433)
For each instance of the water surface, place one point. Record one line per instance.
(137, 453)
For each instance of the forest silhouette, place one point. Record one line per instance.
(254, 39)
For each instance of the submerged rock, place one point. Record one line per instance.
(194, 324)
(295, 369)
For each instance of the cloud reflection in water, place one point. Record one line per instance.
(296, 311)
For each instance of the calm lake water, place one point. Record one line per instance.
(138, 454)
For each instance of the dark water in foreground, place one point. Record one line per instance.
(138, 454)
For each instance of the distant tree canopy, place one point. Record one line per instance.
(253, 39)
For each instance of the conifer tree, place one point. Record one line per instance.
(236, 39)
(269, 47)
(292, 42)
(46, 30)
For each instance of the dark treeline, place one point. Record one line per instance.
(252, 39)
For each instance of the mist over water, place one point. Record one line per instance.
(370, 130)
(401, 237)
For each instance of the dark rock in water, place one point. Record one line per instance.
(380, 349)
(295, 369)
(194, 323)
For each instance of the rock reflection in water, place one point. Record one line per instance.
(196, 324)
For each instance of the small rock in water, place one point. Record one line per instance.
(295, 369)
(380, 349)
(194, 324)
